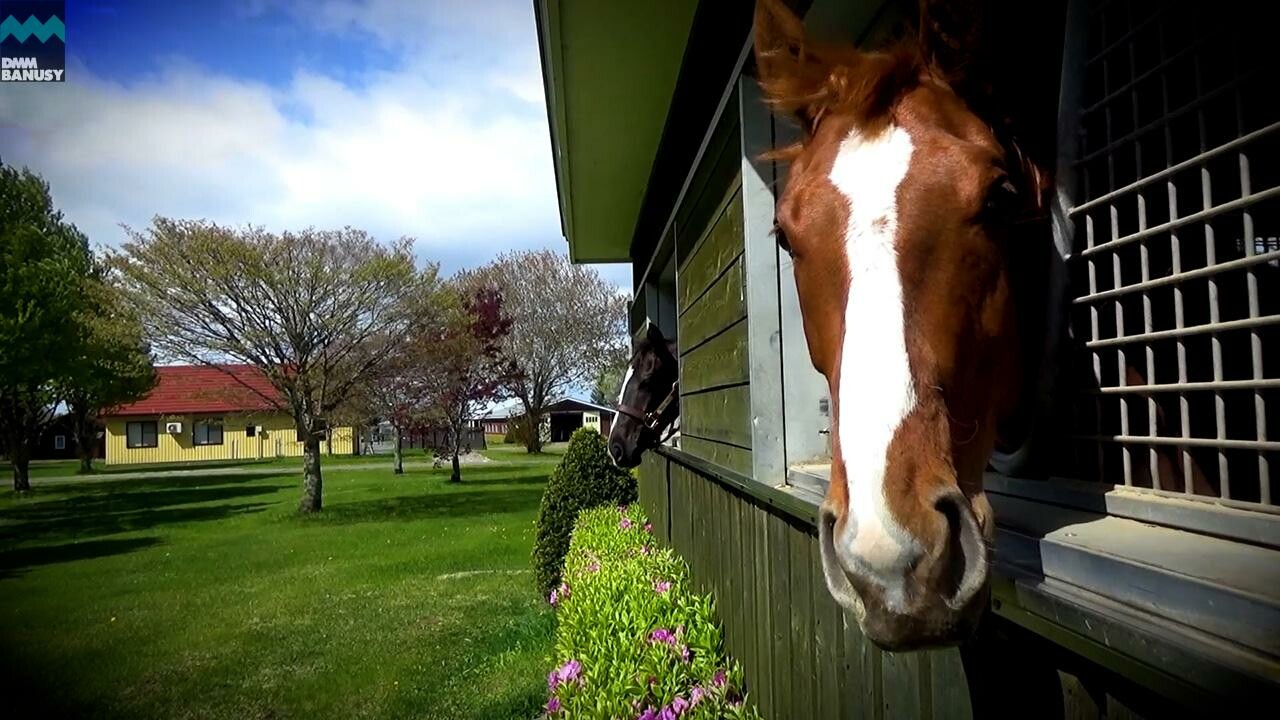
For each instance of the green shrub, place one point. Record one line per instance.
(632, 638)
(585, 478)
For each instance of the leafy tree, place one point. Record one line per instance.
(565, 317)
(608, 379)
(114, 365)
(317, 311)
(44, 269)
(467, 368)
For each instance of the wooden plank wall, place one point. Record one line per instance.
(715, 390)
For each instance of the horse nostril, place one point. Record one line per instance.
(966, 568)
(615, 449)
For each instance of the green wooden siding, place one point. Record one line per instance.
(720, 361)
(715, 399)
(719, 307)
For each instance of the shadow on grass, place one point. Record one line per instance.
(454, 504)
(14, 562)
(129, 496)
(90, 484)
(100, 511)
(508, 480)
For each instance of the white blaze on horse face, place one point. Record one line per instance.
(626, 380)
(875, 386)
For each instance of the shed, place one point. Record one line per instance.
(1112, 596)
(569, 414)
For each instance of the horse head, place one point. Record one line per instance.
(898, 210)
(649, 400)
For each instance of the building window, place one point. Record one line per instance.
(59, 442)
(207, 432)
(140, 434)
(250, 431)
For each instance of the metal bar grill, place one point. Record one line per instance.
(1175, 277)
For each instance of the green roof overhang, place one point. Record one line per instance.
(609, 69)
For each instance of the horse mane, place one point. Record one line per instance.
(811, 79)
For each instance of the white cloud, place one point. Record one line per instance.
(451, 147)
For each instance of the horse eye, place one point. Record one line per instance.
(1002, 198)
(781, 236)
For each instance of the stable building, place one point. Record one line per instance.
(1111, 595)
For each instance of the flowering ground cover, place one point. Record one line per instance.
(206, 596)
(633, 640)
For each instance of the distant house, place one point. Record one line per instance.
(201, 413)
(58, 441)
(563, 417)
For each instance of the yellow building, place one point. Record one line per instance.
(203, 413)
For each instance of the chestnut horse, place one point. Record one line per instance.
(900, 201)
(649, 400)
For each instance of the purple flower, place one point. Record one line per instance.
(667, 714)
(679, 705)
(625, 523)
(558, 593)
(648, 527)
(623, 508)
(648, 714)
(645, 550)
(553, 704)
(553, 679)
(662, 635)
(570, 671)
(684, 653)
(593, 567)
(719, 679)
(695, 695)
(661, 586)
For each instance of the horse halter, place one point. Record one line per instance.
(652, 420)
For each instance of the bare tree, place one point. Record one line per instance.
(315, 311)
(399, 391)
(565, 317)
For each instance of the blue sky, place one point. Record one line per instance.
(419, 119)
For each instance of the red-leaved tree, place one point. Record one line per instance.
(467, 368)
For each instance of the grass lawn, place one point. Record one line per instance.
(206, 596)
(67, 468)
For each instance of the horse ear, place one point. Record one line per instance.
(982, 50)
(953, 40)
(792, 77)
(654, 334)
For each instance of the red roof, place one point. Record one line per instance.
(183, 389)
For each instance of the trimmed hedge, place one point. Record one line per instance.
(585, 478)
(633, 640)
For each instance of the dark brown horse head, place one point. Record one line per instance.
(648, 401)
(897, 210)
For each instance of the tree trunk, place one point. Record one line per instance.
(311, 482)
(396, 451)
(533, 437)
(84, 437)
(20, 458)
(453, 450)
